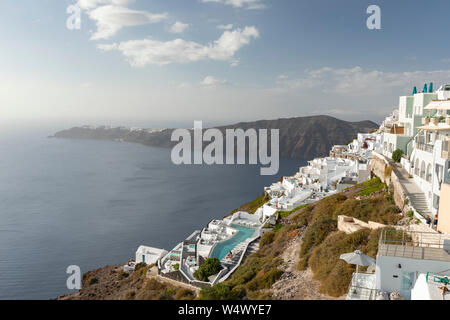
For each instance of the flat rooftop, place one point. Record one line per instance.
(414, 252)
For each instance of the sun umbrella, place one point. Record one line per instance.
(425, 88)
(430, 88)
(358, 258)
(414, 90)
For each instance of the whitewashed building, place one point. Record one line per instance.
(430, 160)
(399, 130)
(149, 255)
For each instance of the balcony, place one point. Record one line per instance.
(445, 150)
(425, 147)
(415, 245)
(362, 287)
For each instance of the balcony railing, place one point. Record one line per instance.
(445, 150)
(424, 147)
(362, 287)
(413, 239)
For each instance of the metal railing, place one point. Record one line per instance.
(360, 287)
(412, 239)
(360, 293)
(425, 147)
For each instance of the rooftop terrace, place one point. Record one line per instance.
(415, 245)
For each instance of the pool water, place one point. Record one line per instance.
(224, 247)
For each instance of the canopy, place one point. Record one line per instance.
(438, 105)
(358, 258)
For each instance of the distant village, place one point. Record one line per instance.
(410, 151)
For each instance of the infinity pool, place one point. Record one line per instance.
(222, 248)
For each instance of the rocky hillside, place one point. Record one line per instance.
(301, 137)
(297, 260)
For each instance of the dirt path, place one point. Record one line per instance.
(295, 284)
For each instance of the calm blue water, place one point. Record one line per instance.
(224, 247)
(92, 203)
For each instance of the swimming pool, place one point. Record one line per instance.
(222, 248)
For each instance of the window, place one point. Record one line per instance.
(422, 170)
(429, 173)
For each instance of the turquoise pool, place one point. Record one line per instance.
(222, 248)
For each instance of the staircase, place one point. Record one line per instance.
(419, 202)
(416, 197)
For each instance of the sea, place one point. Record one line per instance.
(91, 203)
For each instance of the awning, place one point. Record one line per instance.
(442, 127)
(438, 105)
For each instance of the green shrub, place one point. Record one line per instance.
(285, 214)
(210, 267)
(168, 294)
(267, 238)
(92, 280)
(122, 275)
(139, 266)
(176, 266)
(184, 294)
(372, 186)
(304, 217)
(316, 233)
(238, 292)
(397, 155)
(264, 279)
(277, 227)
(217, 292)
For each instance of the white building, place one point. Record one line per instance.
(399, 130)
(149, 255)
(430, 159)
(400, 264)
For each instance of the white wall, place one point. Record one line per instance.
(387, 268)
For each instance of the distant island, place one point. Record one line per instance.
(300, 137)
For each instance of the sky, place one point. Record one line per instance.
(166, 63)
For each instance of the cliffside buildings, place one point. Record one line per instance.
(416, 265)
(421, 129)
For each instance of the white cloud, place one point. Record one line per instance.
(211, 81)
(179, 27)
(359, 82)
(91, 4)
(112, 15)
(247, 4)
(144, 52)
(225, 26)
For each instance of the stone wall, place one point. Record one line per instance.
(380, 167)
(350, 224)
